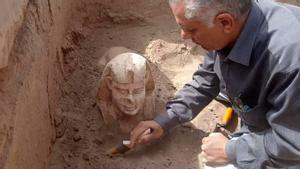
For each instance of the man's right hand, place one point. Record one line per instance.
(138, 136)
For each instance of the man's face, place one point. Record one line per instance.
(128, 97)
(209, 38)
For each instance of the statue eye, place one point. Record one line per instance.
(122, 91)
(138, 91)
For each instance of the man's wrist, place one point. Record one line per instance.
(230, 151)
(165, 121)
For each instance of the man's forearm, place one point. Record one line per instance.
(191, 99)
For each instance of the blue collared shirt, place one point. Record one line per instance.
(261, 76)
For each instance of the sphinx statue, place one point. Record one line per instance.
(125, 93)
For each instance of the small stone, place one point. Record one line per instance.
(107, 26)
(77, 138)
(75, 129)
(85, 157)
(98, 142)
(60, 131)
(110, 135)
(58, 120)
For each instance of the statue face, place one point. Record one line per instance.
(128, 97)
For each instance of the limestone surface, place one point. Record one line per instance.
(126, 87)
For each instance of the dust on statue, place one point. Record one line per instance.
(125, 94)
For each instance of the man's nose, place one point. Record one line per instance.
(185, 35)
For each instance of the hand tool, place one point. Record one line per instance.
(226, 119)
(123, 147)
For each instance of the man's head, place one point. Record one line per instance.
(212, 24)
(127, 76)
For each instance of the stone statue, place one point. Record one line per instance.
(126, 87)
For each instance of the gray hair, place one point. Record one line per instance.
(206, 10)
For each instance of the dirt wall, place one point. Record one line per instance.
(10, 22)
(31, 34)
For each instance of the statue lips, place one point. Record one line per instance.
(129, 108)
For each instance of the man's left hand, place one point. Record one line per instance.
(213, 149)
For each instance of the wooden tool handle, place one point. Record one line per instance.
(227, 117)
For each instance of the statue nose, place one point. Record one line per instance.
(130, 98)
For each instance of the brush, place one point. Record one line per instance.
(123, 147)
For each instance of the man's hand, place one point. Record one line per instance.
(138, 136)
(213, 149)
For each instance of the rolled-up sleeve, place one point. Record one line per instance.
(278, 146)
(193, 97)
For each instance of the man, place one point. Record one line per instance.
(254, 58)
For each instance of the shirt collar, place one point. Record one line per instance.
(242, 49)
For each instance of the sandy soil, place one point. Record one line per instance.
(82, 138)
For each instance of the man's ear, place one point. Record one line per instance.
(108, 81)
(226, 21)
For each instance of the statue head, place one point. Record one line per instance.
(128, 81)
